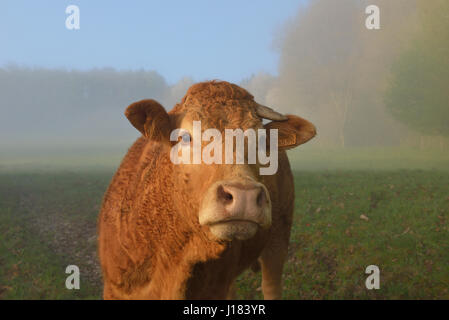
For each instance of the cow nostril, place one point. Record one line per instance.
(224, 195)
(261, 198)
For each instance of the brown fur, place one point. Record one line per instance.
(151, 244)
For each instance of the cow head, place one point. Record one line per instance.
(232, 200)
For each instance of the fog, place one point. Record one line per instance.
(42, 107)
(332, 70)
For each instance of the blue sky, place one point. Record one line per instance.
(204, 39)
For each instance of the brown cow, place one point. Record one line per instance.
(187, 231)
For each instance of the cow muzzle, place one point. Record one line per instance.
(236, 209)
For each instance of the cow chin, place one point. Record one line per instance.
(234, 230)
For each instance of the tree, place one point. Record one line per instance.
(333, 70)
(418, 95)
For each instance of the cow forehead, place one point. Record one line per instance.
(218, 104)
(216, 91)
(221, 116)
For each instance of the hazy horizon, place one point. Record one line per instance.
(315, 59)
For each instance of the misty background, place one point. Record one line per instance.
(363, 89)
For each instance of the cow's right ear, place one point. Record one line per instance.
(150, 118)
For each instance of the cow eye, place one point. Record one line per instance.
(185, 138)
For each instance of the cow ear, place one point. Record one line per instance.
(292, 132)
(150, 118)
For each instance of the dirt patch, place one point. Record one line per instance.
(72, 238)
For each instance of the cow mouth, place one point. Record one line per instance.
(234, 229)
(231, 221)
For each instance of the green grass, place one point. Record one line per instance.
(368, 158)
(29, 269)
(48, 221)
(406, 236)
(304, 158)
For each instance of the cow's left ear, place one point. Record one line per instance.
(292, 132)
(150, 118)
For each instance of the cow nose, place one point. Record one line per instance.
(242, 201)
(235, 209)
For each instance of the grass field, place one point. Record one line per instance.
(48, 221)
